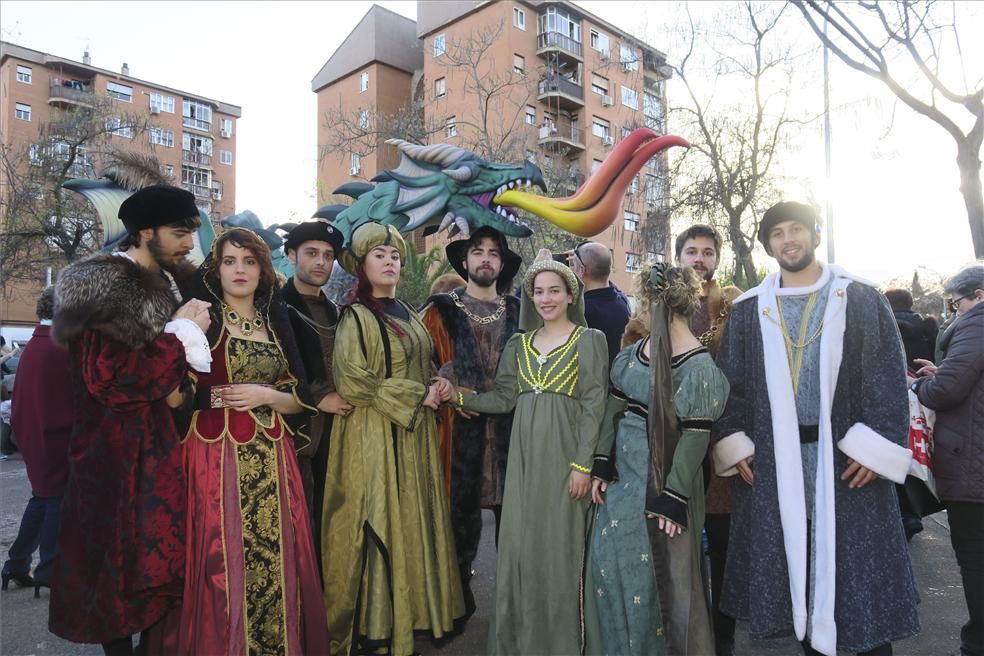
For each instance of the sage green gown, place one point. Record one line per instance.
(625, 611)
(390, 569)
(559, 400)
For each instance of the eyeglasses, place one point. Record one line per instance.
(577, 253)
(953, 303)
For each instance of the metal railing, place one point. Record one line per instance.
(62, 92)
(200, 191)
(196, 157)
(562, 85)
(567, 132)
(558, 40)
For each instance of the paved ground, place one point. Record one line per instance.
(24, 620)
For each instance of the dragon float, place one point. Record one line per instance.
(435, 187)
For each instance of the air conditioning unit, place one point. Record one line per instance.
(155, 109)
(606, 101)
(355, 170)
(225, 134)
(608, 141)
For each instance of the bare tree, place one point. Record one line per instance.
(877, 39)
(727, 178)
(44, 224)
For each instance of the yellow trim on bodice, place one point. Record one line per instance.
(553, 372)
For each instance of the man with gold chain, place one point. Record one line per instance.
(816, 426)
(470, 326)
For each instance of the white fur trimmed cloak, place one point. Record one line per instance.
(864, 593)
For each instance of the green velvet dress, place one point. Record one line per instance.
(627, 616)
(559, 400)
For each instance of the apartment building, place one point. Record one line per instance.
(545, 80)
(193, 136)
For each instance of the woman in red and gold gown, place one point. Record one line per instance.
(252, 582)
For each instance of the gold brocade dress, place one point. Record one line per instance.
(251, 585)
(388, 552)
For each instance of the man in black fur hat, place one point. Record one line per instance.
(312, 248)
(119, 566)
(470, 327)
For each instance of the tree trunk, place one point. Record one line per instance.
(745, 275)
(970, 187)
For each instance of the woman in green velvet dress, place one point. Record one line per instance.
(645, 602)
(555, 378)
(390, 570)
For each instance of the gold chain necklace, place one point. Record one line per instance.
(796, 359)
(492, 318)
(245, 326)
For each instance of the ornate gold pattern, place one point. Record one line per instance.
(555, 378)
(250, 361)
(492, 318)
(259, 498)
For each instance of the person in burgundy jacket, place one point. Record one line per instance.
(42, 417)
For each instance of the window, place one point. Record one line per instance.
(438, 45)
(200, 179)
(599, 84)
(439, 88)
(634, 185)
(364, 81)
(169, 170)
(162, 137)
(196, 115)
(632, 263)
(116, 127)
(600, 127)
(530, 115)
(162, 103)
(519, 64)
(654, 191)
(34, 153)
(364, 119)
(196, 143)
(628, 57)
(225, 125)
(519, 18)
(451, 126)
(119, 91)
(652, 257)
(22, 111)
(595, 165)
(631, 221)
(531, 156)
(216, 190)
(225, 157)
(356, 164)
(630, 98)
(600, 42)
(24, 74)
(626, 131)
(558, 20)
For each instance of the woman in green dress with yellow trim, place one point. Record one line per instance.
(390, 570)
(555, 376)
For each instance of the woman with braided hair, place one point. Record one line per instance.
(646, 563)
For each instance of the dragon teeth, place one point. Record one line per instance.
(462, 224)
(448, 219)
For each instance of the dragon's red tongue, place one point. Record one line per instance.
(594, 206)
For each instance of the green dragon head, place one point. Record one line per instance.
(441, 186)
(436, 187)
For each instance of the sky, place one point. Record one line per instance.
(895, 184)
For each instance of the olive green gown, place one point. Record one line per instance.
(559, 400)
(388, 551)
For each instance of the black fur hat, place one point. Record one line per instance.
(156, 206)
(788, 211)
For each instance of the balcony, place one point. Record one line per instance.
(69, 93)
(561, 93)
(564, 139)
(559, 48)
(200, 191)
(195, 157)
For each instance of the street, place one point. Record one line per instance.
(24, 619)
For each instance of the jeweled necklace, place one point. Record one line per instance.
(492, 318)
(245, 326)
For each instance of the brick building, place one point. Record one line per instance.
(193, 136)
(545, 80)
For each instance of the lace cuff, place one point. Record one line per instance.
(197, 353)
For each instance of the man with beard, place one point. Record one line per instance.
(312, 248)
(470, 326)
(699, 247)
(818, 399)
(119, 566)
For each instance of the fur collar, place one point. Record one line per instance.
(112, 295)
(772, 282)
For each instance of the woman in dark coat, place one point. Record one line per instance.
(955, 390)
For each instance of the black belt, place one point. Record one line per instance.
(809, 434)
